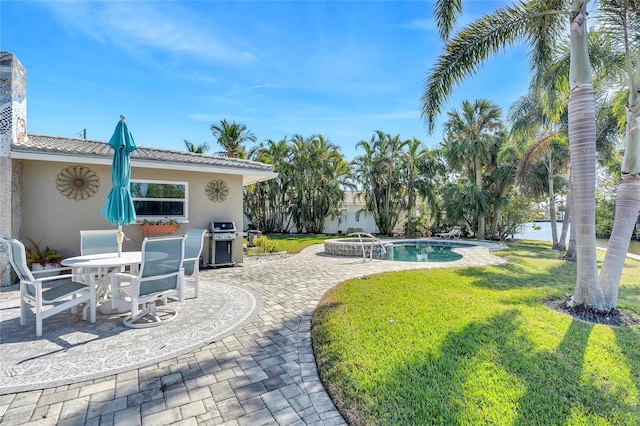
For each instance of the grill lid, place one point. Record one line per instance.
(223, 227)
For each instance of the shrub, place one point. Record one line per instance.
(605, 212)
(47, 256)
(419, 225)
(265, 245)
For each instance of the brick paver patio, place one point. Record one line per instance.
(264, 373)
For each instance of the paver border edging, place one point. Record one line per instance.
(251, 313)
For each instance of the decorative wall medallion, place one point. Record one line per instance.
(77, 182)
(217, 190)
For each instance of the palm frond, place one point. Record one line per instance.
(465, 52)
(446, 13)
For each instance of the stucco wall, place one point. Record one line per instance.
(52, 219)
(363, 221)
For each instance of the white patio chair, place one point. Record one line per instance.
(160, 276)
(63, 292)
(98, 241)
(453, 233)
(192, 252)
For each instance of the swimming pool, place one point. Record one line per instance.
(423, 251)
(397, 250)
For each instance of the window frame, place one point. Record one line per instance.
(181, 219)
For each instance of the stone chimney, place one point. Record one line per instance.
(13, 128)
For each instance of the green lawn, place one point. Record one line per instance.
(477, 346)
(294, 243)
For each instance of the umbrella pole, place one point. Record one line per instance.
(120, 238)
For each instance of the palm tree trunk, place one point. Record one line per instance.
(628, 198)
(481, 216)
(570, 255)
(631, 160)
(627, 208)
(552, 206)
(497, 211)
(571, 250)
(582, 139)
(409, 220)
(562, 245)
(411, 202)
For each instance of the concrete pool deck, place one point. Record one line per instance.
(262, 373)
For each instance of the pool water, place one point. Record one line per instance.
(428, 251)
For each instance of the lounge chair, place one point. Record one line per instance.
(61, 292)
(453, 233)
(160, 276)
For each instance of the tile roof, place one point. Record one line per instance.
(86, 148)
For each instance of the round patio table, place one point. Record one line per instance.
(103, 262)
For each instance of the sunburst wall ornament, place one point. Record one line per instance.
(217, 190)
(77, 182)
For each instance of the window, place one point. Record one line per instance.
(158, 199)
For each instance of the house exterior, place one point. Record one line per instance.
(353, 217)
(53, 187)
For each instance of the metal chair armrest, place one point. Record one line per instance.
(58, 277)
(50, 270)
(123, 275)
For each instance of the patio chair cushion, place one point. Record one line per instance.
(61, 290)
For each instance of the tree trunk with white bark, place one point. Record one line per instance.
(582, 140)
(628, 197)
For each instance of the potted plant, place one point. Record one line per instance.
(39, 259)
(158, 227)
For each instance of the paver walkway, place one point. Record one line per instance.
(264, 373)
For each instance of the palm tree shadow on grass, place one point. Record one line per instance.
(509, 276)
(631, 352)
(546, 387)
(558, 283)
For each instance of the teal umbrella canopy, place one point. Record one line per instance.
(118, 208)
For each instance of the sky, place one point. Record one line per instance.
(342, 69)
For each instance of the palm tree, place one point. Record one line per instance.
(470, 140)
(380, 171)
(541, 116)
(197, 149)
(460, 201)
(319, 175)
(430, 178)
(232, 137)
(280, 157)
(551, 154)
(415, 151)
(539, 24)
(502, 180)
(266, 203)
(621, 22)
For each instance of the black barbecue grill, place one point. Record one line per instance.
(222, 236)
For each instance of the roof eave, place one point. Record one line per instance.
(249, 176)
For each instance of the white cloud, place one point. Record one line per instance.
(215, 118)
(141, 27)
(249, 88)
(421, 24)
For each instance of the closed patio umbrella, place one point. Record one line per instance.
(118, 208)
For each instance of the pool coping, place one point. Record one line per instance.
(353, 247)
